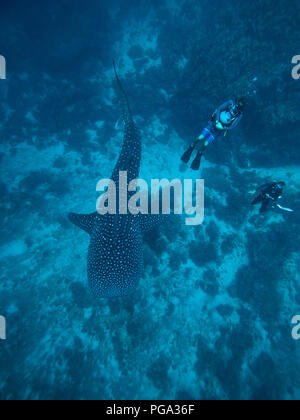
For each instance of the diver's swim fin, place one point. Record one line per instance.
(187, 155)
(197, 162)
(265, 206)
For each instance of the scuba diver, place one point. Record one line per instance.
(268, 195)
(225, 118)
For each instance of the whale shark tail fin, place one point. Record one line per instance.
(83, 221)
(126, 111)
(130, 157)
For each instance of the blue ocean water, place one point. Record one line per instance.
(211, 316)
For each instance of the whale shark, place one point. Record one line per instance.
(115, 254)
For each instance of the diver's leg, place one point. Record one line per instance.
(197, 161)
(265, 206)
(257, 200)
(187, 155)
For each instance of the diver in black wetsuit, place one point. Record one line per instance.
(268, 195)
(225, 118)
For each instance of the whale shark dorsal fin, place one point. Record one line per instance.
(83, 221)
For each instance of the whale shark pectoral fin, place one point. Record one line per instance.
(150, 222)
(83, 221)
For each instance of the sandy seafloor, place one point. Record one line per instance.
(211, 318)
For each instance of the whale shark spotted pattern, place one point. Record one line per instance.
(115, 255)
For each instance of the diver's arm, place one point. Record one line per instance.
(260, 193)
(235, 122)
(264, 189)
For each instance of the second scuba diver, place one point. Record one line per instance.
(268, 195)
(225, 118)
